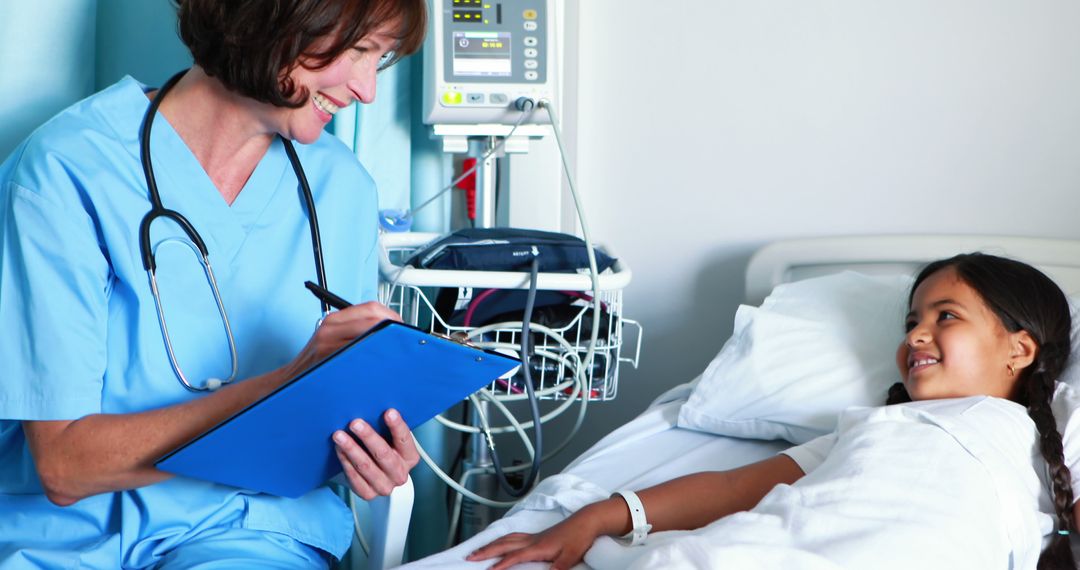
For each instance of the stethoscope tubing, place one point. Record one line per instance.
(157, 210)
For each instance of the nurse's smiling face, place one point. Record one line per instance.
(348, 78)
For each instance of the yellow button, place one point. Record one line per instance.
(452, 98)
(529, 14)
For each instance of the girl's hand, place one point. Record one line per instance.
(564, 545)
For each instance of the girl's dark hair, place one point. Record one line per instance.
(1023, 298)
(252, 45)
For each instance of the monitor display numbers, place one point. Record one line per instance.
(478, 54)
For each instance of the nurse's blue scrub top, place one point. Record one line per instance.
(80, 334)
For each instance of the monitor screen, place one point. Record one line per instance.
(482, 54)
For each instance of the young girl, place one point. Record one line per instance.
(986, 339)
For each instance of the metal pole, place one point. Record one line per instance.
(476, 517)
(487, 174)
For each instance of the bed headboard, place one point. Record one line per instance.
(795, 259)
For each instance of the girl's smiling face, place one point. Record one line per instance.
(956, 346)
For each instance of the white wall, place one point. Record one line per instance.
(706, 128)
(138, 38)
(47, 54)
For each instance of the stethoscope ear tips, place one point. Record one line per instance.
(213, 384)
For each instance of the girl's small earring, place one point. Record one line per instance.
(1011, 369)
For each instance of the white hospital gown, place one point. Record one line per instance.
(940, 484)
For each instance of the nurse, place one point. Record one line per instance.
(90, 396)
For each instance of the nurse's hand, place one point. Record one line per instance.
(376, 467)
(339, 328)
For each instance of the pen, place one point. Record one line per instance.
(326, 296)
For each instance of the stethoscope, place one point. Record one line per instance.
(199, 247)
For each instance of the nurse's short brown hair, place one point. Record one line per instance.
(251, 46)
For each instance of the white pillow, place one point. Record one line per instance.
(814, 348)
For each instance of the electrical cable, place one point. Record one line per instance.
(459, 485)
(594, 274)
(579, 366)
(396, 220)
(459, 455)
(463, 480)
(517, 427)
(454, 484)
(534, 406)
(578, 383)
(455, 509)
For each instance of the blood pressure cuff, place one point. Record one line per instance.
(508, 249)
(553, 309)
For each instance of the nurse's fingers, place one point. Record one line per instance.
(368, 473)
(402, 438)
(356, 482)
(371, 310)
(381, 479)
(389, 464)
(340, 327)
(361, 317)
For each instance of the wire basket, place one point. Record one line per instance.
(559, 351)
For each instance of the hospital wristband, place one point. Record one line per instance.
(640, 526)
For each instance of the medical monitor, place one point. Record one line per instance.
(480, 56)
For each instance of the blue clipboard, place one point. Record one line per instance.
(281, 444)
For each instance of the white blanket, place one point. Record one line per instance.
(639, 454)
(946, 484)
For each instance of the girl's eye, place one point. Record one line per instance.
(908, 326)
(946, 315)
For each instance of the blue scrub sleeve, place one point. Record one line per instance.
(54, 282)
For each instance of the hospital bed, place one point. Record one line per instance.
(653, 448)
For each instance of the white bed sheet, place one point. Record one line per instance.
(646, 451)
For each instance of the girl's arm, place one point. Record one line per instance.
(685, 503)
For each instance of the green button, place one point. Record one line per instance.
(452, 97)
